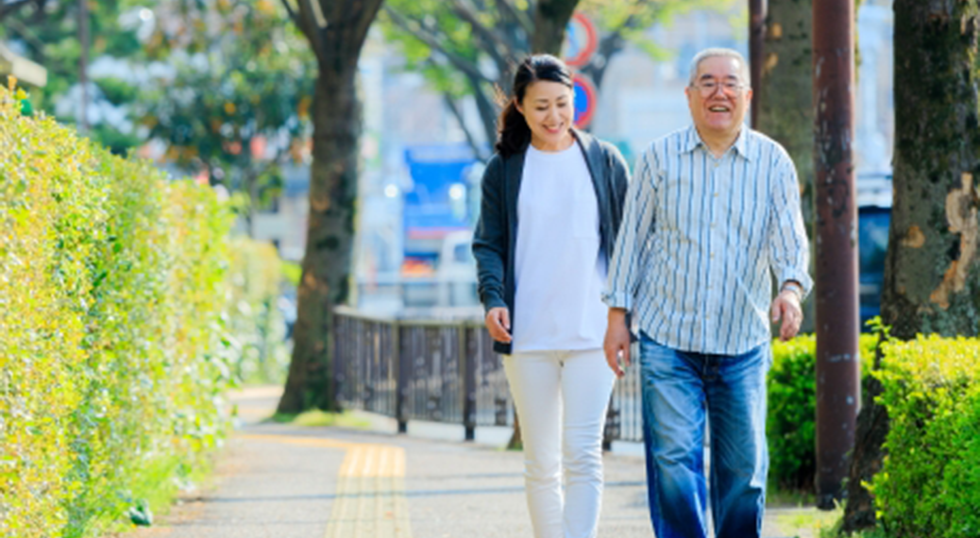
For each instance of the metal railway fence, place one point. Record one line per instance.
(443, 371)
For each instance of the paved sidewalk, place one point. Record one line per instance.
(283, 481)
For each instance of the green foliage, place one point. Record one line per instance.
(114, 295)
(243, 80)
(292, 272)
(257, 325)
(791, 421)
(929, 484)
(117, 91)
(834, 531)
(632, 19)
(454, 37)
(50, 38)
(232, 71)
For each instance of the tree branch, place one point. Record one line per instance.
(362, 15)
(27, 35)
(464, 65)
(292, 13)
(486, 108)
(470, 139)
(609, 45)
(614, 41)
(307, 24)
(522, 18)
(550, 20)
(491, 38)
(8, 8)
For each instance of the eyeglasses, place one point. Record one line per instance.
(709, 87)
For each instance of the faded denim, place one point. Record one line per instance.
(680, 391)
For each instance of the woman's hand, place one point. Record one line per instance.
(498, 323)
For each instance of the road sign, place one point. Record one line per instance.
(585, 100)
(581, 40)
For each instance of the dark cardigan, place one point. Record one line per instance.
(495, 237)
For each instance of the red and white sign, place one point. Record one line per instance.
(581, 40)
(585, 100)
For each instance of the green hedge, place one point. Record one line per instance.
(256, 321)
(114, 350)
(929, 484)
(792, 407)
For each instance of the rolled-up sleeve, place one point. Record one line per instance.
(490, 238)
(789, 248)
(638, 220)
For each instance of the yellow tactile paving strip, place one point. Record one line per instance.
(370, 500)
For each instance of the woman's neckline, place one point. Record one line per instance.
(551, 152)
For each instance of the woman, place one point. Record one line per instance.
(552, 200)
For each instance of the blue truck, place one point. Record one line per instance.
(438, 217)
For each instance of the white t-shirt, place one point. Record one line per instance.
(559, 274)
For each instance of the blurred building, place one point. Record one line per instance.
(284, 224)
(26, 71)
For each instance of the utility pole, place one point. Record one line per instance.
(838, 369)
(83, 39)
(757, 37)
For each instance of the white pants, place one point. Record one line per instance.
(561, 399)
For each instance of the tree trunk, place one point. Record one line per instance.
(783, 99)
(337, 40)
(932, 269)
(784, 96)
(609, 45)
(550, 20)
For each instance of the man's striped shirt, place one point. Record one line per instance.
(698, 240)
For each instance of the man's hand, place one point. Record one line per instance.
(617, 342)
(786, 307)
(498, 323)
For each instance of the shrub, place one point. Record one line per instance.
(791, 420)
(929, 484)
(115, 329)
(257, 325)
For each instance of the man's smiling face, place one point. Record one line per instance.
(719, 97)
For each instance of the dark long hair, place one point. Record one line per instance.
(513, 134)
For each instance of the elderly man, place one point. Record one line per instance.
(712, 209)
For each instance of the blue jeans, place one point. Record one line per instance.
(680, 390)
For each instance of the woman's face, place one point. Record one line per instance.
(548, 110)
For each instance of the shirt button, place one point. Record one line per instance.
(716, 195)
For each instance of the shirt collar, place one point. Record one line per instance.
(692, 140)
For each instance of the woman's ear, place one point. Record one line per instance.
(517, 105)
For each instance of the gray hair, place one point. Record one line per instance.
(718, 52)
